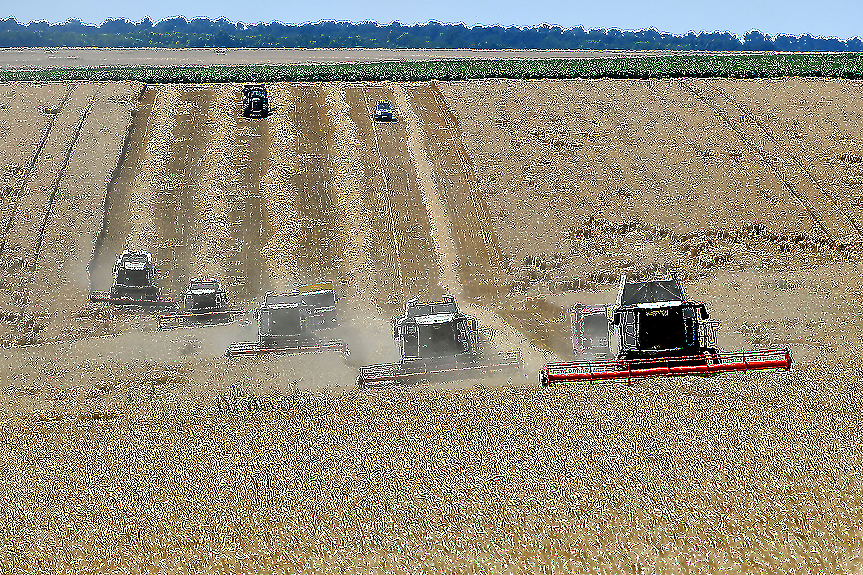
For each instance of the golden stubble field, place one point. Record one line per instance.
(135, 450)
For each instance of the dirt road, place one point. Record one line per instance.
(41, 58)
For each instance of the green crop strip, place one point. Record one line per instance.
(845, 65)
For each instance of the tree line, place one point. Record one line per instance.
(222, 33)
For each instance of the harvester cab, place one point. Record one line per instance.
(255, 101)
(435, 339)
(205, 296)
(287, 323)
(659, 333)
(654, 319)
(322, 299)
(205, 301)
(283, 318)
(134, 282)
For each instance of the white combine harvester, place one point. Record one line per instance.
(288, 323)
(436, 340)
(134, 283)
(659, 333)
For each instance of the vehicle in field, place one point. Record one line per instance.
(435, 339)
(288, 322)
(591, 331)
(134, 282)
(658, 332)
(205, 302)
(384, 112)
(323, 299)
(255, 101)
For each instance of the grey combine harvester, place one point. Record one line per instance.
(288, 323)
(134, 282)
(205, 302)
(435, 339)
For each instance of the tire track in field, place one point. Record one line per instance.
(479, 254)
(319, 250)
(840, 203)
(402, 249)
(176, 209)
(55, 187)
(118, 201)
(27, 325)
(834, 221)
(248, 219)
(34, 159)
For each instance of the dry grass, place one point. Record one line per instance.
(753, 474)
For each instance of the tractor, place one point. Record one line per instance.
(255, 101)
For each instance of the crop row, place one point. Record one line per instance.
(830, 65)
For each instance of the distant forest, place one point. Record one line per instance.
(222, 33)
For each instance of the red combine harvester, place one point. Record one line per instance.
(436, 340)
(288, 322)
(134, 283)
(204, 303)
(659, 333)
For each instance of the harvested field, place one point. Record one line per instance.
(519, 198)
(401, 237)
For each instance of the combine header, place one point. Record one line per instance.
(287, 322)
(134, 283)
(659, 333)
(435, 339)
(204, 302)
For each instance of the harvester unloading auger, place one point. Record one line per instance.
(436, 340)
(659, 333)
(134, 283)
(205, 302)
(288, 322)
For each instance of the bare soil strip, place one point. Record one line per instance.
(118, 203)
(381, 244)
(27, 325)
(40, 108)
(247, 215)
(176, 206)
(478, 251)
(319, 251)
(19, 256)
(59, 293)
(348, 184)
(832, 212)
(408, 266)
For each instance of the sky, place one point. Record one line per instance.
(829, 18)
